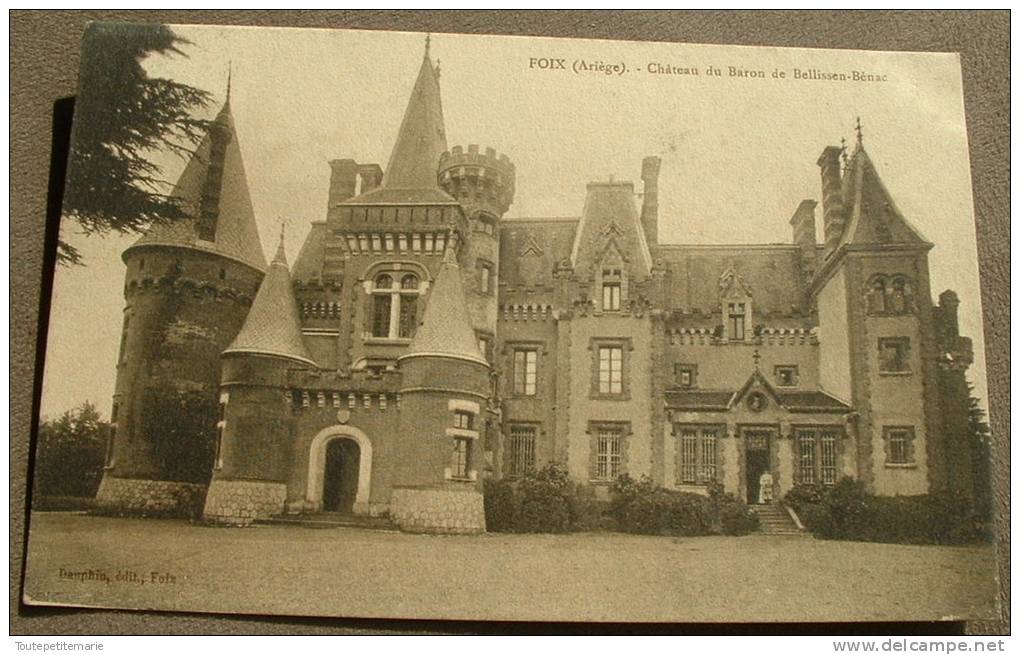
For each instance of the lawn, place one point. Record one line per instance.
(172, 565)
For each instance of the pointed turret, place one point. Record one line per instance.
(273, 327)
(213, 191)
(446, 330)
(412, 173)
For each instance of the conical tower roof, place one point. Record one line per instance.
(411, 175)
(445, 330)
(213, 190)
(272, 327)
(872, 215)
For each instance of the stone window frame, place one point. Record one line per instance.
(398, 272)
(620, 278)
(510, 349)
(692, 369)
(905, 341)
(625, 431)
(909, 451)
(701, 432)
(122, 353)
(109, 459)
(626, 346)
(536, 430)
(819, 434)
(486, 277)
(795, 369)
(883, 291)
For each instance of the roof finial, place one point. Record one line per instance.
(757, 358)
(229, 73)
(428, 43)
(281, 252)
(842, 150)
(860, 133)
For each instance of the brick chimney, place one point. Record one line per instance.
(833, 212)
(650, 207)
(803, 223)
(343, 180)
(371, 176)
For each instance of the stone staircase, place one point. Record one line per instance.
(327, 520)
(775, 520)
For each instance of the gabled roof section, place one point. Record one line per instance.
(412, 173)
(610, 214)
(795, 402)
(272, 327)
(213, 190)
(445, 329)
(872, 215)
(757, 380)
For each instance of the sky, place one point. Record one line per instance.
(738, 152)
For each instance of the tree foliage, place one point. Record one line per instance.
(70, 453)
(122, 117)
(981, 455)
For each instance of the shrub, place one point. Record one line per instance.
(847, 511)
(641, 507)
(735, 517)
(546, 500)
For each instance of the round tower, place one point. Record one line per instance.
(187, 290)
(443, 393)
(483, 183)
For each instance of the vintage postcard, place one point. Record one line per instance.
(381, 324)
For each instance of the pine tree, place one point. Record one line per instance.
(981, 455)
(121, 116)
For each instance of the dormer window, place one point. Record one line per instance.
(394, 308)
(612, 280)
(736, 315)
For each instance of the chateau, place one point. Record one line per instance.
(421, 343)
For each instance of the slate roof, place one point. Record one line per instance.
(236, 234)
(529, 250)
(445, 330)
(308, 264)
(872, 216)
(611, 214)
(797, 402)
(412, 173)
(272, 327)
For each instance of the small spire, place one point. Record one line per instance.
(860, 133)
(229, 74)
(757, 359)
(437, 69)
(428, 44)
(843, 154)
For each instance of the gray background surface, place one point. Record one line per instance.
(44, 51)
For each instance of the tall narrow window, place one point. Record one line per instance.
(461, 457)
(485, 277)
(382, 302)
(525, 372)
(108, 459)
(123, 339)
(520, 452)
(736, 326)
(608, 453)
(828, 459)
(221, 424)
(610, 369)
(806, 453)
(408, 306)
(612, 279)
(463, 420)
(689, 456)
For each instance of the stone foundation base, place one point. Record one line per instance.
(137, 497)
(240, 502)
(437, 511)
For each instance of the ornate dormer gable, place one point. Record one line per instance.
(610, 219)
(757, 394)
(735, 299)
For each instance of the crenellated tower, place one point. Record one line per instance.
(483, 184)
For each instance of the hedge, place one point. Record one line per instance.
(847, 511)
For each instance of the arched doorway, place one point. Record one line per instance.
(340, 477)
(340, 470)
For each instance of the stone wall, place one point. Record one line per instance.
(136, 497)
(240, 502)
(437, 511)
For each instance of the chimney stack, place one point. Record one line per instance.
(833, 213)
(343, 181)
(650, 207)
(803, 223)
(371, 176)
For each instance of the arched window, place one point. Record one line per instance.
(900, 296)
(394, 309)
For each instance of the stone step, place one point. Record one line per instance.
(775, 520)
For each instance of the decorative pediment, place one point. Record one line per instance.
(733, 285)
(757, 393)
(531, 248)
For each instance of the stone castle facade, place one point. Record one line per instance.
(421, 343)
